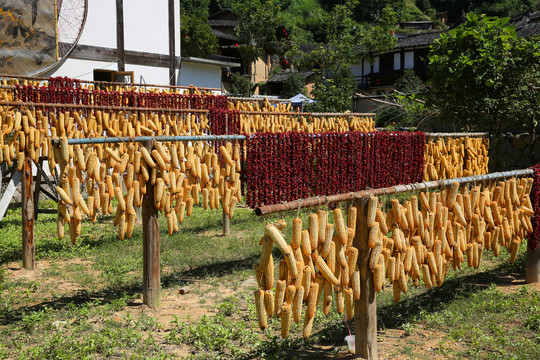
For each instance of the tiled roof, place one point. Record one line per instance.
(423, 39)
(222, 22)
(527, 24)
(222, 35)
(281, 77)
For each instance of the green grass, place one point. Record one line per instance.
(100, 316)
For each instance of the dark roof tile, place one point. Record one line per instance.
(423, 39)
(281, 77)
(222, 23)
(222, 35)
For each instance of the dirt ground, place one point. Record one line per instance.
(393, 343)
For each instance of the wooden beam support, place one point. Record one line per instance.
(365, 309)
(226, 224)
(120, 35)
(151, 261)
(37, 189)
(27, 202)
(172, 40)
(532, 268)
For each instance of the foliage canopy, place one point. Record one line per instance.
(482, 74)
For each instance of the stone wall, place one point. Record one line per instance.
(509, 151)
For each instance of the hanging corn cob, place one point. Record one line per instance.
(451, 157)
(453, 224)
(314, 264)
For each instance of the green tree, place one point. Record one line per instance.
(295, 84)
(240, 85)
(481, 74)
(346, 43)
(410, 83)
(197, 38)
(256, 29)
(333, 94)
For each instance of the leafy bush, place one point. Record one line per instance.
(481, 74)
(333, 94)
(294, 85)
(240, 85)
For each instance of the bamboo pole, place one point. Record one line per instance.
(97, 107)
(427, 185)
(458, 134)
(126, 139)
(108, 83)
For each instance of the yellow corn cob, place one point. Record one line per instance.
(281, 285)
(296, 233)
(326, 272)
(341, 230)
(279, 241)
(260, 309)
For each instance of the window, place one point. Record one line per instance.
(113, 76)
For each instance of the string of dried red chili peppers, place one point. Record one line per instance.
(224, 121)
(287, 166)
(534, 237)
(63, 90)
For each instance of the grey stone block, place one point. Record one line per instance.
(519, 143)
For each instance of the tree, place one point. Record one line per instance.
(197, 37)
(240, 85)
(256, 29)
(295, 84)
(410, 83)
(481, 74)
(333, 94)
(346, 43)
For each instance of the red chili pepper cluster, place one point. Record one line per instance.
(64, 81)
(288, 166)
(224, 121)
(63, 90)
(534, 237)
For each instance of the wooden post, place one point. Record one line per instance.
(172, 51)
(151, 263)
(532, 269)
(226, 224)
(37, 188)
(27, 204)
(365, 309)
(120, 36)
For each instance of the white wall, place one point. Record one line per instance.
(356, 71)
(202, 75)
(146, 29)
(376, 64)
(409, 59)
(100, 27)
(81, 69)
(146, 26)
(84, 70)
(397, 61)
(367, 67)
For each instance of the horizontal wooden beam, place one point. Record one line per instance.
(97, 53)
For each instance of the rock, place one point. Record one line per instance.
(519, 143)
(514, 153)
